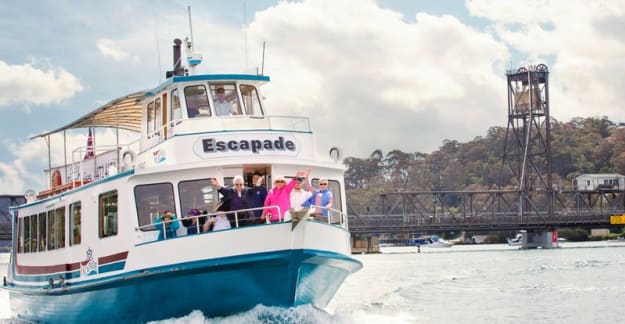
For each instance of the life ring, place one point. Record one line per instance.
(128, 157)
(335, 153)
(56, 178)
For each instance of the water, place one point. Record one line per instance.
(578, 283)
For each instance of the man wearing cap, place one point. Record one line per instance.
(222, 106)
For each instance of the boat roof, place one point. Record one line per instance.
(125, 112)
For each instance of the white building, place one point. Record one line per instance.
(596, 181)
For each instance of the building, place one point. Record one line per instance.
(600, 181)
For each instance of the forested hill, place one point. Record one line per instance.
(582, 145)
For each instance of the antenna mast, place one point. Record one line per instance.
(245, 31)
(193, 59)
(262, 67)
(158, 48)
(190, 24)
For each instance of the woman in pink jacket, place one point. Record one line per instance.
(279, 195)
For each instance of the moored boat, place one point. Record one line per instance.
(88, 248)
(516, 241)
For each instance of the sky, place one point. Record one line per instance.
(384, 74)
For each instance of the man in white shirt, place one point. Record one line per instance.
(222, 107)
(298, 196)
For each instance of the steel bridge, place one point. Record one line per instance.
(489, 210)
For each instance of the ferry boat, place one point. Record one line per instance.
(88, 249)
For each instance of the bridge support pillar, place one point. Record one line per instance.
(546, 239)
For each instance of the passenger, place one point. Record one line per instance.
(258, 195)
(220, 222)
(191, 221)
(168, 230)
(298, 196)
(222, 106)
(279, 195)
(322, 199)
(234, 199)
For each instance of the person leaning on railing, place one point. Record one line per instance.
(167, 225)
(322, 199)
(236, 198)
(279, 195)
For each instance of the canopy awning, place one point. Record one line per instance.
(123, 112)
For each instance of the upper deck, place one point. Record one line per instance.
(187, 119)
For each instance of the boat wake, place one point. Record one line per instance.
(262, 314)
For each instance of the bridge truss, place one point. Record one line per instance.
(489, 210)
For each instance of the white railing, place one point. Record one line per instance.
(107, 160)
(223, 123)
(335, 216)
(245, 217)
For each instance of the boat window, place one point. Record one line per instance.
(153, 200)
(197, 101)
(51, 230)
(176, 110)
(75, 223)
(33, 234)
(60, 227)
(42, 232)
(230, 104)
(197, 194)
(157, 117)
(150, 121)
(20, 241)
(251, 100)
(26, 224)
(107, 219)
(335, 187)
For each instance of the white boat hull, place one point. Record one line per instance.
(300, 272)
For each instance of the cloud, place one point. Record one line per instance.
(110, 48)
(584, 42)
(31, 85)
(371, 80)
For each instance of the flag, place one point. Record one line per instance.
(89, 153)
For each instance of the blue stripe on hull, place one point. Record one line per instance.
(216, 287)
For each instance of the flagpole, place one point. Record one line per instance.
(64, 154)
(93, 156)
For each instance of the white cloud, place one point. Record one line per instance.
(370, 80)
(111, 48)
(31, 85)
(584, 39)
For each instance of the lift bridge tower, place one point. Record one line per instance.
(526, 162)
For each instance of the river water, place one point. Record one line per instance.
(577, 283)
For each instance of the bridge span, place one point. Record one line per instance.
(488, 210)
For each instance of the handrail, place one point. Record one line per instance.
(271, 121)
(334, 217)
(236, 213)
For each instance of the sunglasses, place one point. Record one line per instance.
(280, 181)
(323, 184)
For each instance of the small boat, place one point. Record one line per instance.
(93, 247)
(436, 241)
(516, 241)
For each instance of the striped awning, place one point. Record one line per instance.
(123, 113)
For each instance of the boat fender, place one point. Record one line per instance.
(128, 157)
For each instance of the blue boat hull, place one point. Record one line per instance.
(217, 287)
